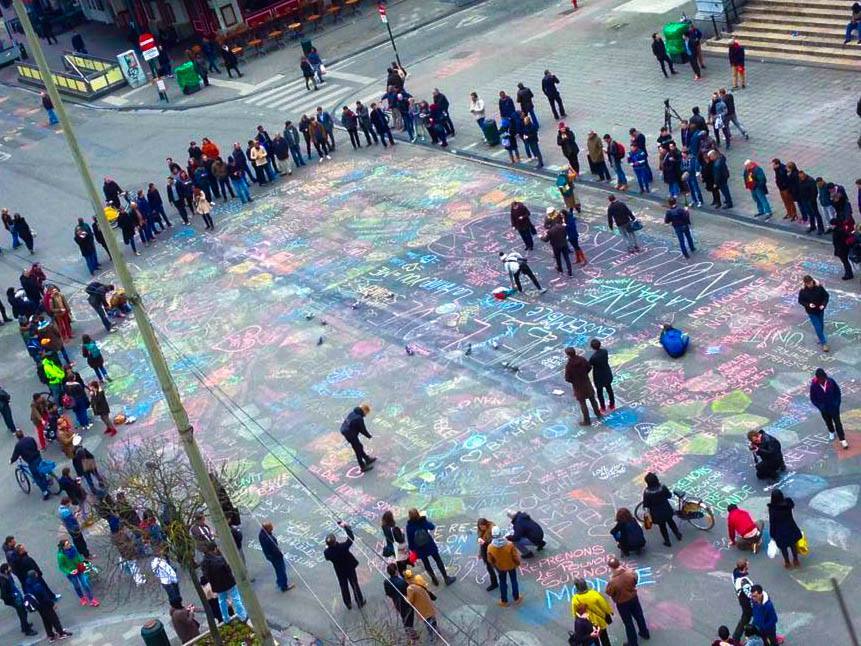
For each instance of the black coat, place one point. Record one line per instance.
(659, 49)
(781, 524)
(26, 449)
(602, 375)
(812, 297)
(657, 503)
(340, 555)
(269, 545)
(216, 569)
(524, 98)
(548, 86)
(86, 243)
(769, 452)
(395, 588)
(629, 535)
(354, 425)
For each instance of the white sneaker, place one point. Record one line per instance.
(831, 437)
(327, 157)
(321, 160)
(844, 444)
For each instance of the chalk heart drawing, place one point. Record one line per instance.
(834, 502)
(824, 531)
(817, 577)
(700, 555)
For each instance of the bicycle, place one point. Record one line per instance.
(24, 477)
(697, 512)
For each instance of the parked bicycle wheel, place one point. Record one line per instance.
(698, 514)
(23, 480)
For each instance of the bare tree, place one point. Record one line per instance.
(157, 480)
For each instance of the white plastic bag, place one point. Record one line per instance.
(323, 70)
(772, 549)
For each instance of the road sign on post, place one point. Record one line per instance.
(148, 47)
(381, 7)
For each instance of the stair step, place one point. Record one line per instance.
(828, 33)
(780, 13)
(829, 46)
(839, 8)
(794, 21)
(792, 58)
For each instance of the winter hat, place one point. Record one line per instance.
(562, 125)
(550, 210)
(495, 532)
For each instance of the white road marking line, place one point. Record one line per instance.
(233, 85)
(346, 76)
(263, 84)
(280, 90)
(289, 101)
(306, 107)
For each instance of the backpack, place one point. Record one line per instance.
(620, 151)
(422, 537)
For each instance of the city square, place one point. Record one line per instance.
(370, 277)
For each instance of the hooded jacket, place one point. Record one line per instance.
(826, 397)
(525, 527)
(764, 615)
(354, 425)
(595, 147)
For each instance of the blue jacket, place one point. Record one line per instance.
(678, 216)
(143, 205)
(824, 196)
(37, 587)
(325, 120)
(828, 399)
(269, 545)
(506, 107)
(764, 615)
(675, 342)
(638, 159)
(429, 548)
(525, 527)
(571, 225)
(67, 516)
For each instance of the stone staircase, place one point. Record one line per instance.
(801, 32)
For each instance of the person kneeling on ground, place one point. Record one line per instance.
(674, 341)
(743, 531)
(767, 455)
(628, 533)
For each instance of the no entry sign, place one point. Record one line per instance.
(148, 46)
(381, 7)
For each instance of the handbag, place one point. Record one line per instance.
(647, 520)
(322, 69)
(635, 225)
(88, 465)
(802, 546)
(389, 550)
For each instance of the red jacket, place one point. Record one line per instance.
(739, 522)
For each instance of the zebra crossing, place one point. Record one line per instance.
(295, 98)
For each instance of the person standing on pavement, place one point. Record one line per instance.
(602, 375)
(548, 87)
(521, 222)
(48, 105)
(525, 98)
(345, 565)
(210, 51)
(420, 540)
(316, 64)
(736, 62)
(215, 568)
(596, 157)
(231, 62)
(783, 529)
(720, 176)
(825, 396)
(764, 615)
(620, 215)
(616, 155)
(659, 50)
(66, 514)
(44, 600)
(484, 530)
(166, 574)
(14, 598)
(352, 427)
(639, 161)
(291, 136)
(350, 123)
(325, 120)
(269, 545)
(577, 370)
(742, 583)
(568, 144)
(756, 182)
(782, 180)
(656, 502)
(680, 219)
(6, 410)
(622, 589)
(422, 600)
(476, 109)
(600, 612)
(381, 124)
(814, 298)
(557, 236)
(808, 194)
(529, 134)
(238, 181)
(691, 52)
(364, 118)
(503, 555)
(203, 207)
(396, 588)
(72, 564)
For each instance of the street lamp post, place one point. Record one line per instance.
(159, 364)
(381, 7)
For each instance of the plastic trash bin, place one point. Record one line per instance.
(491, 132)
(187, 78)
(153, 633)
(673, 32)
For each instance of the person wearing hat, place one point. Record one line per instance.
(351, 428)
(505, 558)
(568, 144)
(825, 395)
(345, 565)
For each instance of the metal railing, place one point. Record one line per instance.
(87, 77)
